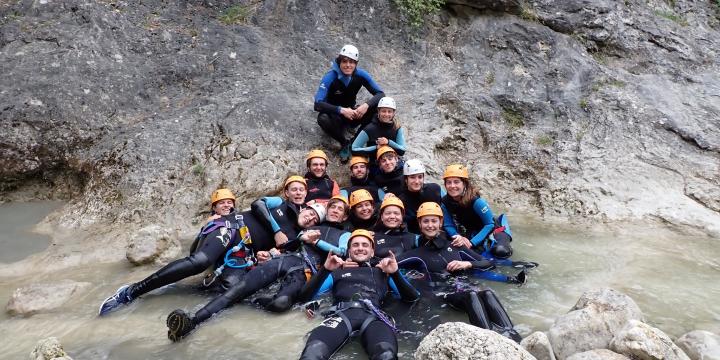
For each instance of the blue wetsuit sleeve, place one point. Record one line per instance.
(358, 146)
(402, 287)
(321, 103)
(381, 194)
(261, 209)
(448, 222)
(344, 193)
(343, 242)
(482, 209)
(443, 192)
(399, 143)
(315, 285)
(272, 202)
(327, 247)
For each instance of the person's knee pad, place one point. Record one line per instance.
(315, 349)
(383, 351)
(501, 251)
(280, 304)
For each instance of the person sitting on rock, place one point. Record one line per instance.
(358, 289)
(384, 129)
(226, 229)
(416, 191)
(360, 179)
(435, 257)
(362, 210)
(320, 186)
(288, 268)
(468, 218)
(390, 232)
(390, 176)
(335, 98)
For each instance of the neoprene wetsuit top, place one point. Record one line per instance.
(338, 90)
(474, 222)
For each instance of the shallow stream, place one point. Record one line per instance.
(674, 279)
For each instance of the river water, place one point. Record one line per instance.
(673, 278)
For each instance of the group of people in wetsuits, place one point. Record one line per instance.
(388, 232)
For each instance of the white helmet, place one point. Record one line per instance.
(387, 102)
(412, 167)
(350, 51)
(319, 209)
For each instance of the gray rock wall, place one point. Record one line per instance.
(138, 110)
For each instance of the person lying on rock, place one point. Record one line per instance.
(468, 218)
(287, 267)
(360, 179)
(320, 186)
(358, 289)
(415, 192)
(390, 175)
(437, 259)
(362, 210)
(383, 130)
(335, 99)
(228, 238)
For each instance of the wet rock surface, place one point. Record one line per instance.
(638, 340)
(463, 341)
(49, 349)
(598, 354)
(138, 110)
(593, 322)
(41, 297)
(700, 344)
(153, 244)
(538, 345)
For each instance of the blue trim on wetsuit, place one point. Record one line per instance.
(482, 209)
(273, 202)
(448, 223)
(358, 146)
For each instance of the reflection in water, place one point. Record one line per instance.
(672, 278)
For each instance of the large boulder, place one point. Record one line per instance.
(538, 345)
(641, 341)
(597, 354)
(49, 349)
(700, 345)
(153, 244)
(462, 341)
(592, 322)
(36, 298)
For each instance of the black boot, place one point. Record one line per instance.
(179, 325)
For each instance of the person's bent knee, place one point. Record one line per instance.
(324, 120)
(315, 350)
(199, 261)
(502, 251)
(280, 304)
(383, 351)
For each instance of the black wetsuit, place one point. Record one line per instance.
(483, 307)
(391, 182)
(333, 236)
(322, 188)
(412, 200)
(358, 223)
(396, 240)
(365, 183)
(358, 293)
(209, 250)
(477, 223)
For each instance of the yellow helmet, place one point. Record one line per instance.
(382, 150)
(341, 198)
(221, 194)
(456, 170)
(294, 178)
(359, 196)
(358, 160)
(429, 208)
(316, 153)
(364, 233)
(392, 201)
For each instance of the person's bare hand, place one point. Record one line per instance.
(457, 265)
(280, 238)
(461, 241)
(381, 141)
(333, 262)
(389, 264)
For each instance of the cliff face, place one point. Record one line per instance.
(136, 111)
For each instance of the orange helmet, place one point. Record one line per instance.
(294, 178)
(359, 196)
(221, 194)
(429, 208)
(363, 233)
(316, 153)
(341, 198)
(456, 170)
(382, 150)
(358, 160)
(392, 201)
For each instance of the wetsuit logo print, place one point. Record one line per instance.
(380, 241)
(346, 275)
(223, 239)
(484, 210)
(279, 212)
(332, 322)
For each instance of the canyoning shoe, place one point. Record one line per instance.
(344, 153)
(121, 297)
(179, 325)
(519, 279)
